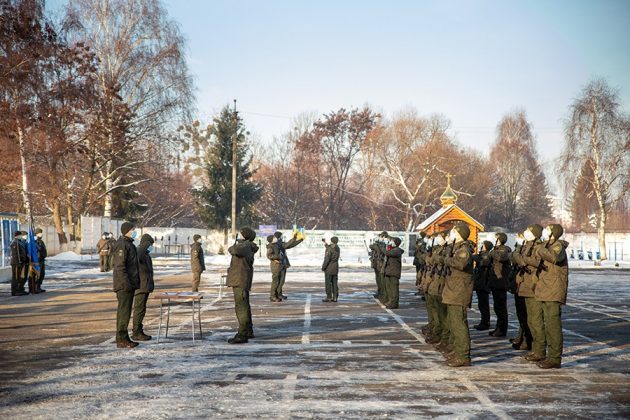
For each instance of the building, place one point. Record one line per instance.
(449, 215)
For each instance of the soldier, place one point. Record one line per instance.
(239, 278)
(330, 267)
(111, 241)
(432, 286)
(103, 251)
(529, 263)
(275, 263)
(42, 253)
(481, 280)
(523, 341)
(282, 246)
(445, 345)
(419, 261)
(145, 265)
(499, 278)
(457, 294)
(377, 258)
(126, 281)
(551, 292)
(18, 262)
(197, 262)
(392, 268)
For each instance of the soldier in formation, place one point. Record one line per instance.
(330, 267)
(197, 262)
(19, 265)
(284, 259)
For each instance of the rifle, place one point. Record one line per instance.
(447, 271)
(541, 264)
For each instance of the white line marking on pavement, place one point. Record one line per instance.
(595, 310)
(347, 342)
(306, 339)
(386, 342)
(288, 394)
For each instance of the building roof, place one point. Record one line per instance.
(443, 212)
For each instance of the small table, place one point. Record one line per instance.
(195, 300)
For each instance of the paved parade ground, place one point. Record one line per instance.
(353, 359)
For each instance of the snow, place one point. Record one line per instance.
(72, 256)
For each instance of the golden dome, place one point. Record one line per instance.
(448, 197)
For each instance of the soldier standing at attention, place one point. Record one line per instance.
(392, 268)
(18, 261)
(529, 262)
(103, 251)
(457, 294)
(197, 262)
(145, 265)
(110, 246)
(481, 279)
(239, 278)
(282, 246)
(524, 339)
(499, 278)
(419, 261)
(377, 260)
(330, 267)
(42, 253)
(551, 292)
(126, 281)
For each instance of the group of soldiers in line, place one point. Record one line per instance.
(536, 272)
(386, 259)
(21, 271)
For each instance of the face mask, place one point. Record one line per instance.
(199, 241)
(150, 248)
(529, 236)
(274, 240)
(440, 240)
(519, 241)
(452, 236)
(24, 237)
(134, 234)
(546, 234)
(39, 235)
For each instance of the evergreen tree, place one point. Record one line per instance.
(214, 199)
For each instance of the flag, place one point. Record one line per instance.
(31, 250)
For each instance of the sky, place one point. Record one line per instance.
(470, 61)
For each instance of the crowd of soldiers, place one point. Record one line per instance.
(386, 260)
(23, 271)
(535, 272)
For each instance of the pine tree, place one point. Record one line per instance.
(214, 199)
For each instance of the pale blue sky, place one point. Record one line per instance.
(471, 61)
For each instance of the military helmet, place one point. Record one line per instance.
(556, 230)
(463, 230)
(501, 237)
(488, 245)
(536, 230)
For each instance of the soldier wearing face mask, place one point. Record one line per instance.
(283, 246)
(275, 264)
(145, 265)
(126, 281)
(378, 259)
(481, 282)
(551, 291)
(457, 294)
(523, 340)
(438, 333)
(499, 282)
(103, 251)
(197, 262)
(526, 284)
(19, 260)
(445, 344)
(42, 253)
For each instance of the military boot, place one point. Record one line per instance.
(458, 362)
(482, 327)
(548, 364)
(237, 340)
(534, 357)
(140, 336)
(126, 344)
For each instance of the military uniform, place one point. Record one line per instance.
(145, 271)
(126, 281)
(275, 264)
(330, 267)
(433, 285)
(197, 262)
(519, 269)
(19, 260)
(102, 247)
(551, 291)
(392, 269)
(481, 280)
(457, 294)
(499, 282)
(282, 246)
(239, 277)
(419, 261)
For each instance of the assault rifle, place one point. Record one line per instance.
(447, 269)
(541, 264)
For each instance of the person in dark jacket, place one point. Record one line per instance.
(499, 282)
(392, 269)
(330, 267)
(42, 253)
(239, 277)
(145, 266)
(481, 280)
(283, 246)
(275, 264)
(419, 261)
(126, 281)
(103, 251)
(18, 261)
(197, 262)
(377, 259)
(523, 341)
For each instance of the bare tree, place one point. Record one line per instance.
(598, 134)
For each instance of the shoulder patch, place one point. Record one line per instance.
(462, 253)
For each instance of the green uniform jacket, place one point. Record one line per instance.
(525, 258)
(459, 285)
(197, 262)
(331, 259)
(275, 259)
(393, 262)
(283, 250)
(482, 272)
(374, 256)
(126, 270)
(419, 257)
(435, 283)
(501, 267)
(553, 283)
(241, 270)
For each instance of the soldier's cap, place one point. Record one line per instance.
(278, 234)
(334, 240)
(488, 245)
(501, 237)
(17, 233)
(397, 241)
(556, 230)
(38, 230)
(146, 239)
(463, 230)
(384, 234)
(248, 233)
(269, 238)
(126, 227)
(536, 230)
(196, 237)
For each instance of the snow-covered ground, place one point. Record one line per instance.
(309, 359)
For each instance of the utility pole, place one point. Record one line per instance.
(234, 172)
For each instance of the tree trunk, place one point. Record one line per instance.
(601, 233)
(71, 230)
(107, 205)
(58, 223)
(25, 197)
